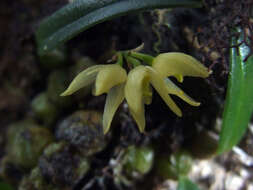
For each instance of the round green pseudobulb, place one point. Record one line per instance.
(26, 142)
(138, 160)
(84, 131)
(63, 165)
(44, 109)
(174, 165)
(35, 181)
(54, 59)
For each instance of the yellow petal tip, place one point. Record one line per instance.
(65, 93)
(198, 104)
(194, 103)
(106, 130)
(142, 131)
(178, 112)
(179, 78)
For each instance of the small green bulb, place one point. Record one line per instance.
(139, 159)
(175, 165)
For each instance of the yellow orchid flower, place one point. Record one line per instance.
(108, 79)
(137, 91)
(136, 87)
(179, 65)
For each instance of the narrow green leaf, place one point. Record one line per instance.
(186, 184)
(68, 14)
(239, 99)
(80, 15)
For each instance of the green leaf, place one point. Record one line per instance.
(80, 15)
(186, 184)
(5, 186)
(239, 99)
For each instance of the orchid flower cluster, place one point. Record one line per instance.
(136, 85)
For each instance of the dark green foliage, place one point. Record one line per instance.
(239, 100)
(4, 186)
(80, 15)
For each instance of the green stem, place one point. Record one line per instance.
(119, 59)
(131, 60)
(148, 59)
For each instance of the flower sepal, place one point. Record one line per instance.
(179, 65)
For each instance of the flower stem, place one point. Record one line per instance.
(148, 59)
(119, 59)
(131, 60)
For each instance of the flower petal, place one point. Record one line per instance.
(179, 65)
(111, 75)
(180, 78)
(174, 89)
(159, 84)
(147, 93)
(83, 79)
(114, 98)
(139, 117)
(134, 94)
